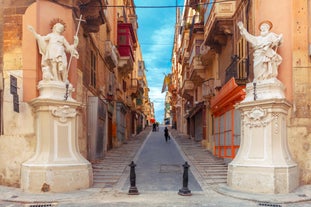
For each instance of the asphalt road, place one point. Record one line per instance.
(159, 166)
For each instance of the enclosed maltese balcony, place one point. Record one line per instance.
(126, 42)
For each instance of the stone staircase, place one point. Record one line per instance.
(209, 169)
(212, 170)
(108, 171)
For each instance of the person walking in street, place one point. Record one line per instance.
(166, 135)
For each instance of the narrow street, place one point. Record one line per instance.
(158, 179)
(159, 165)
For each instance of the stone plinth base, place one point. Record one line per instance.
(260, 179)
(265, 89)
(56, 90)
(263, 163)
(55, 178)
(57, 165)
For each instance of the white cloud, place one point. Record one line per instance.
(157, 60)
(158, 99)
(156, 36)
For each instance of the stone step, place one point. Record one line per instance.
(215, 171)
(218, 167)
(218, 181)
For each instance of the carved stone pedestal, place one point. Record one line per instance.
(263, 163)
(57, 165)
(265, 89)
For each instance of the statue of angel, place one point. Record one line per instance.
(266, 59)
(53, 48)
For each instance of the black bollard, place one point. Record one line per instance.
(185, 190)
(133, 189)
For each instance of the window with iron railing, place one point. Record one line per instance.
(238, 67)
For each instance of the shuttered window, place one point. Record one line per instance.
(93, 69)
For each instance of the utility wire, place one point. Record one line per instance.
(158, 7)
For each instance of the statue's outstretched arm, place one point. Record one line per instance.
(250, 38)
(41, 40)
(32, 30)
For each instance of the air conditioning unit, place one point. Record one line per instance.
(111, 56)
(217, 84)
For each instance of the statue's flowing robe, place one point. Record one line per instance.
(266, 59)
(52, 48)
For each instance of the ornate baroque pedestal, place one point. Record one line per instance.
(263, 163)
(57, 165)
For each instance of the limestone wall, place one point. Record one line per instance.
(299, 136)
(17, 141)
(14, 150)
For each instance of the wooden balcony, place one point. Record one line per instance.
(126, 41)
(219, 23)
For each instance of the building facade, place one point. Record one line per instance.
(109, 77)
(212, 63)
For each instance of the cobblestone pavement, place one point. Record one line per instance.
(111, 173)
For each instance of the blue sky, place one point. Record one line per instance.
(156, 28)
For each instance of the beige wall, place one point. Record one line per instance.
(292, 21)
(18, 141)
(300, 122)
(21, 59)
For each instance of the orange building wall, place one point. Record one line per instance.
(39, 16)
(282, 21)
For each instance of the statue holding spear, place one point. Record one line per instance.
(53, 48)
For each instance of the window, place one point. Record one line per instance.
(93, 69)
(124, 85)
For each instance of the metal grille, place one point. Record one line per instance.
(269, 204)
(41, 205)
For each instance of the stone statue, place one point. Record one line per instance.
(53, 48)
(266, 59)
